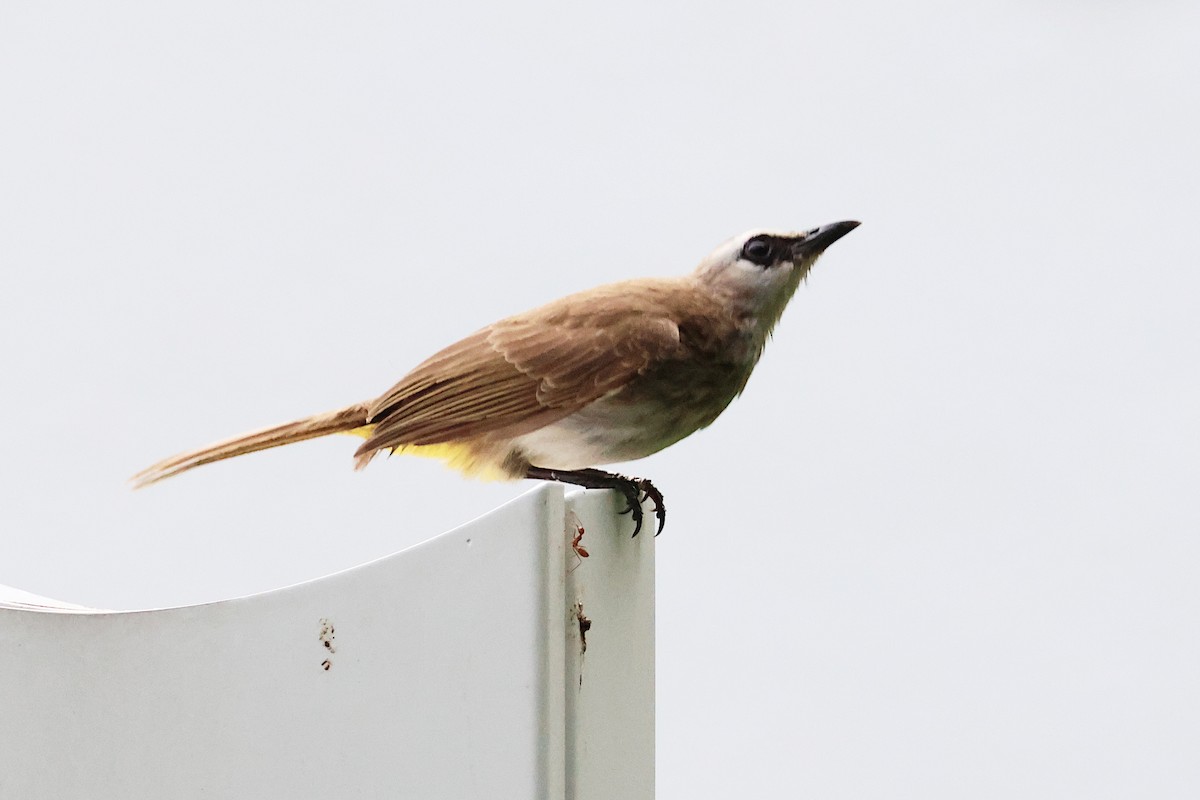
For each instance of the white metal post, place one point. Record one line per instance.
(454, 669)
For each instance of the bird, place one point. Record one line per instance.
(603, 376)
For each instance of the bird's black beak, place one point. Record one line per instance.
(816, 240)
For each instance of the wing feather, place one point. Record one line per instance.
(528, 370)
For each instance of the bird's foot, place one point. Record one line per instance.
(634, 490)
(637, 490)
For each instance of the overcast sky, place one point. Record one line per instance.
(947, 543)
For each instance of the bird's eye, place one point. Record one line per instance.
(757, 251)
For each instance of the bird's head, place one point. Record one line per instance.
(760, 270)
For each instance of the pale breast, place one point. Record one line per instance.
(651, 413)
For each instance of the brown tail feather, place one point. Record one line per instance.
(347, 419)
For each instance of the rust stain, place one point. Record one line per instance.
(326, 637)
(585, 625)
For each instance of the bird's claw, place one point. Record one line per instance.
(636, 491)
(650, 492)
(633, 505)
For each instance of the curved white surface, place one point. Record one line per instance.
(453, 669)
(18, 599)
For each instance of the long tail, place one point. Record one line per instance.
(343, 421)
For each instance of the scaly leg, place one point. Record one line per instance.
(633, 489)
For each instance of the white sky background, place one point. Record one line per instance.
(946, 545)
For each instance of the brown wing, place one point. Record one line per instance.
(529, 370)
